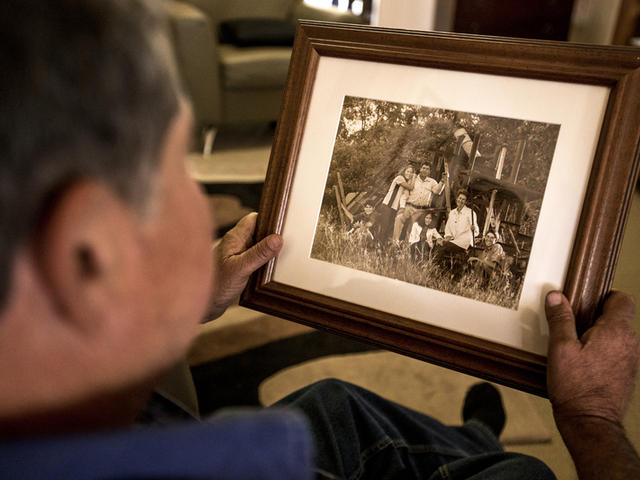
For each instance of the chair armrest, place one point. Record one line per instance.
(195, 48)
(302, 11)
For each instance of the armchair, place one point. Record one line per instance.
(232, 84)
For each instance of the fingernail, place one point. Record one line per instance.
(274, 242)
(554, 299)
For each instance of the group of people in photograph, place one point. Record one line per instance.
(407, 217)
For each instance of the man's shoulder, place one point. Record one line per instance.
(427, 180)
(190, 450)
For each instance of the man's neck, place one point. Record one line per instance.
(102, 412)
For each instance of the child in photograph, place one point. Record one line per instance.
(366, 224)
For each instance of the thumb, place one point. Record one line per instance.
(562, 326)
(259, 254)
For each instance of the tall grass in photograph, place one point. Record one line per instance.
(355, 250)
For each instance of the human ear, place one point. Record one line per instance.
(86, 250)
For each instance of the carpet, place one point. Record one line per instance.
(249, 359)
(243, 355)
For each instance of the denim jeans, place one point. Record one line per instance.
(359, 435)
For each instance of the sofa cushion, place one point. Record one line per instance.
(253, 67)
(251, 32)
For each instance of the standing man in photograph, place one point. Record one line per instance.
(419, 200)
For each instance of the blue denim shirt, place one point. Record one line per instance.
(270, 445)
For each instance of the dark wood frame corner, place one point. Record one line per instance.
(605, 208)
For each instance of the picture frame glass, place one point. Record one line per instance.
(569, 114)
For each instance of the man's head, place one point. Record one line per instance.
(86, 92)
(425, 170)
(490, 239)
(105, 238)
(461, 199)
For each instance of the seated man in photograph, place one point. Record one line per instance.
(490, 258)
(106, 269)
(423, 188)
(459, 233)
(423, 238)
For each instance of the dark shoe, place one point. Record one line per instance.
(484, 404)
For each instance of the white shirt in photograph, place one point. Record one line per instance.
(462, 226)
(400, 198)
(423, 190)
(431, 235)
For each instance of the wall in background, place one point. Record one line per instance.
(586, 21)
(413, 14)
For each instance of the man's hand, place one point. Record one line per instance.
(235, 260)
(592, 376)
(590, 381)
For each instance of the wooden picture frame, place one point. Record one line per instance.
(592, 92)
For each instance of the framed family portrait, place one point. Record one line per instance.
(431, 188)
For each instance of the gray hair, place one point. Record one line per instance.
(88, 90)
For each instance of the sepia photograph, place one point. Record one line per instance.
(443, 199)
